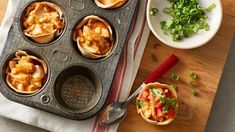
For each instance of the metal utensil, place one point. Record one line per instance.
(116, 111)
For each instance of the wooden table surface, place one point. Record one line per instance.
(207, 61)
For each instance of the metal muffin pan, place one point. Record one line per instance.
(66, 66)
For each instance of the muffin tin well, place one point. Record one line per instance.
(76, 87)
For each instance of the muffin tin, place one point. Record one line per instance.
(76, 87)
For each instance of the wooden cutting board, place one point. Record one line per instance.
(207, 61)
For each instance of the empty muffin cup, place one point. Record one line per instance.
(42, 22)
(77, 88)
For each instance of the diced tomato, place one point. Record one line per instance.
(171, 113)
(144, 95)
(159, 112)
(159, 105)
(149, 97)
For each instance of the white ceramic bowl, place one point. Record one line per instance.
(197, 40)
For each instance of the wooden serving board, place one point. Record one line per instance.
(207, 61)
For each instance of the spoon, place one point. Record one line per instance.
(117, 111)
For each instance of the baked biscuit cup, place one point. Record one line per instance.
(167, 121)
(43, 22)
(90, 50)
(108, 4)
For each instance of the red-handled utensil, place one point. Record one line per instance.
(116, 111)
(163, 68)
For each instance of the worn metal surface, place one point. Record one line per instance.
(61, 54)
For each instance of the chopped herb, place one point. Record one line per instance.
(193, 76)
(188, 16)
(173, 86)
(163, 99)
(140, 103)
(154, 58)
(211, 7)
(194, 92)
(165, 109)
(168, 103)
(153, 11)
(171, 102)
(175, 77)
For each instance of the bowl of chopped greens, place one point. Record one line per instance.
(184, 24)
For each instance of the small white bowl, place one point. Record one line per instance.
(198, 39)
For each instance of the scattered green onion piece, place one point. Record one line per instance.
(167, 10)
(140, 103)
(211, 7)
(193, 76)
(175, 77)
(173, 86)
(194, 92)
(153, 11)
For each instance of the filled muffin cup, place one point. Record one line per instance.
(157, 103)
(110, 4)
(94, 38)
(25, 72)
(42, 22)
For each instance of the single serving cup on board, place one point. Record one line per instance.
(157, 103)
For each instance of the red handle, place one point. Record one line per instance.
(163, 68)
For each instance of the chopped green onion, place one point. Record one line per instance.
(188, 16)
(167, 10)
(175, 77)
(165, 109)
(211, 7)
(155, 92)
(193, 76)
(194, 92)
(171, 102)
(173, 86)
(168, 103)
(153, 11)
(141, 103)
(163, 99)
